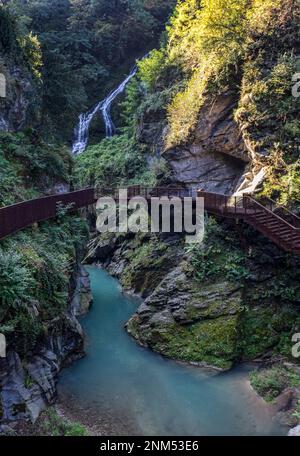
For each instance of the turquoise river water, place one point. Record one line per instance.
(120, 388)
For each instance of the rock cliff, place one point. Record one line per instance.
(28, 385)
(21, 102)
(216, 156)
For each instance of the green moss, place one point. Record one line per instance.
(213, 300)
(268, 328)
(133, 327)
(213, 342)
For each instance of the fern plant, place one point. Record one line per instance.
(16, 281)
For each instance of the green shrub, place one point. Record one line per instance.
(54, 425)
(152, 67)
(16, 282)
(25, 332)
(218, 256)
(113, 162)
(269, 383)
(28, 165)
(35, 270)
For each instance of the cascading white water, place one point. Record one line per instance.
(82, 130)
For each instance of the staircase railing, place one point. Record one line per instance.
(291, 237)
(287, 234)
(252, 207)
(282, 210)
(146, 192)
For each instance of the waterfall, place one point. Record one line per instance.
(103, 107)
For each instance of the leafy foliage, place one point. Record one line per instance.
(21, 45)
(52, 424)
(270, 123)
(217, 257)
(28, 166)
(113, 162)
(249, 47)
(35, 268)
(84, 43)
(16, 281)
(269, 383)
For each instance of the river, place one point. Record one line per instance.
(120, 388)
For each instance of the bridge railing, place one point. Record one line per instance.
(22, 215)
(222, 204)
(146, 192)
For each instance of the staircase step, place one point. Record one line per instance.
(264, 216)
(285, 231)
(270, 221)
(278, 225)
(274, 227)
(269, 218)
(286, 237)
(270, 226)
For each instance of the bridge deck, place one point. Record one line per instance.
(277, 223)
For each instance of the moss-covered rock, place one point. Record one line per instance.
(212, 342)
(141, 261)
(191, 322)
(219, 285)
(268, 329)
(146, 265)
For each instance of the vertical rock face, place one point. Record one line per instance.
(212, 171)
(216, 156)
(82, 297)
(21, 99)
(189, 322)
(28, 386)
